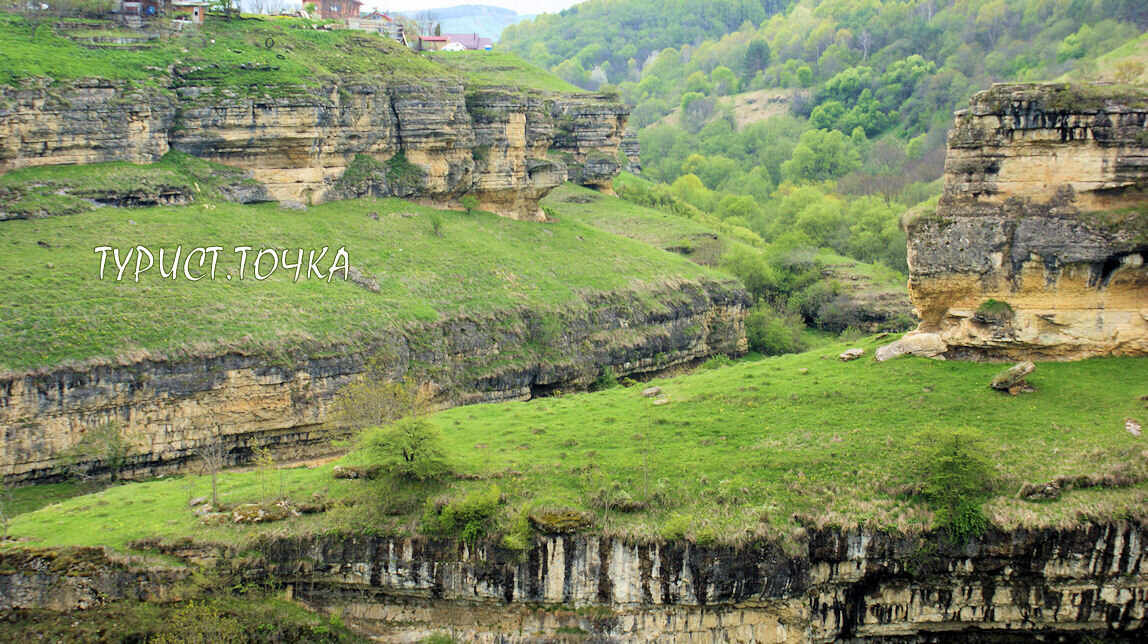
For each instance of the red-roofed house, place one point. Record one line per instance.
(338, 9)
(431, 43)
(377, 15)
(470, 41)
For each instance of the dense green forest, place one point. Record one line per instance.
(814, 124)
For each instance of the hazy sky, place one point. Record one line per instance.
(521, 6)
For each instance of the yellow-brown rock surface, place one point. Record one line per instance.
(1044, 213)
(507, 147)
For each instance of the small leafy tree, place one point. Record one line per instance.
(104, 446)
(470, 202)
(953, 470)
(214, 457)
(409, 449)
(6, 509)
(436, 223)
(374, 399)
(264, 463)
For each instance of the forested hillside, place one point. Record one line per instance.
(819, 123)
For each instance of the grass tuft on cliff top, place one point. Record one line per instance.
(503, 69)
(253, 55)
(55, 309)
(755, 450)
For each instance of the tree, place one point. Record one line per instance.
(375, 399)
(821, 155)
(409, 448)
(435, 222)
(214, 457)
(438, 29)
(105, 446)
(470, 202)
(724, 80)
(757, 57)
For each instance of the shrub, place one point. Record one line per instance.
(470, 202)
(435, 222)
(104, 447)
(468, 516)
(717, 361)
(606, 379)
(676, 527)
(772, 332)
(410, 448)
(955, 476)
(995, 311)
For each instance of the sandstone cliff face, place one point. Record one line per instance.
(1056, 585)
(167, 409)
(488, 142)
(858, 586)
(1044, 209)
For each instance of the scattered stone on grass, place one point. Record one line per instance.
(1133, 426)
(650, 392)
(356, 471)
(851, 354)
(925, 345)
(1012, 379)
(199, 500)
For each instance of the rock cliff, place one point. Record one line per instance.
(1080, 583)
(1037, 248)
(167, 409)
(489, 142)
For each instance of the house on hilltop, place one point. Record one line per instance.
(339, 9)
(144, 8)
(381, 24)
(431, 43)
(471, 41)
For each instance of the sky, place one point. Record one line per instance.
(520, 6)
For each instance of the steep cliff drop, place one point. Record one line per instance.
(434, 142)
(1037, 248)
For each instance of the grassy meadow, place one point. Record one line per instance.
(55, 309)
(758, 448)
(254, 55)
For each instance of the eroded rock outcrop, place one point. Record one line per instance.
(852, 585)
(1037, 248)
(489, 142)
(167, 408)
(1070, 584)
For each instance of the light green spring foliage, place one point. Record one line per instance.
(739, 450)
(870, 86)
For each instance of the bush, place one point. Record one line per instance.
(955, 476)
(410, 448)
(773, 333)
(103, 448)
(606, 379)
(676, 527)
(468, 516)
(995, 311)
(717, 361)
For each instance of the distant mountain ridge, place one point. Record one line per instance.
(485, 20)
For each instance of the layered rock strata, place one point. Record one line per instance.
(1080, 583)
(167, 409)
(488, 142)
(1037, 248)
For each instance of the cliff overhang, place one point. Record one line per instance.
(1037, 247)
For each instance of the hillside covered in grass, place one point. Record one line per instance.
(260, 55)
(409, 263)
(756, 449)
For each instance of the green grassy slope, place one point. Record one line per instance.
(750, 450)
(54, 308)
(260, 55)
